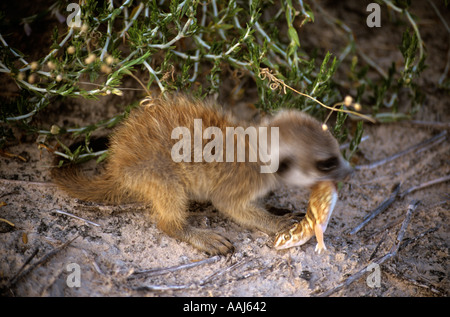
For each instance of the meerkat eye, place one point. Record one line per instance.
(328, 164)
(285, 164)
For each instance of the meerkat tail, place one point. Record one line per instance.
(101, 188)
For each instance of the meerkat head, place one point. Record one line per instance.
(307, 153)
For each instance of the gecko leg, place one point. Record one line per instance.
(319, 237)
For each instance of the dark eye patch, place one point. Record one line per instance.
(284, 166)
(328, 164)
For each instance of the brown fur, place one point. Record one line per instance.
(140, 167)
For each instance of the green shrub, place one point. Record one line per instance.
(187, 45)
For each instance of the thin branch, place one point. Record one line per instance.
(223, 271)
(339, 24)
(163, 288)
(76, 217)
(412, 240)
(444, 75)
(133, 18)
(372, 63)
(426, 184)
(44, 259)
(181, 34)
(161, 271)
(108, 39)
(378, 245)
(411, 21)
(61, 44)
(417, 146)
(150, 69)
(395, 193)
(15, 278)
(7, 221)
(120, 9)
(270, 41)
(423, 284)
(13, 51)
(411, 208)
(436, 10)
(392, 252)
(382, 207)
(276, 83)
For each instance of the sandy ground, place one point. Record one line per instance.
(125, 242)
(122, 253)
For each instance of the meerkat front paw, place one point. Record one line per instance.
(287, 221)
(209, 242)
(273, 224)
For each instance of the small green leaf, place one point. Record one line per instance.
(391, 117)
(309, 12)
(294, 36)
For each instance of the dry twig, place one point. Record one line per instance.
(418, 283)
(378, 245)
(21, 274)
(223, 271)
(424, 185)
(208, 279)
(15, 278)
(275, 83)
(437, 138)
(422, 234)
(8, 222)
(163, 288)
(161, 271)
(395, 193)
(382, 207)
(392, 252)
(76, 217)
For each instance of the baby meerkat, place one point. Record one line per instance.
(152, 160)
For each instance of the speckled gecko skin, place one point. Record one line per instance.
(321, 204)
